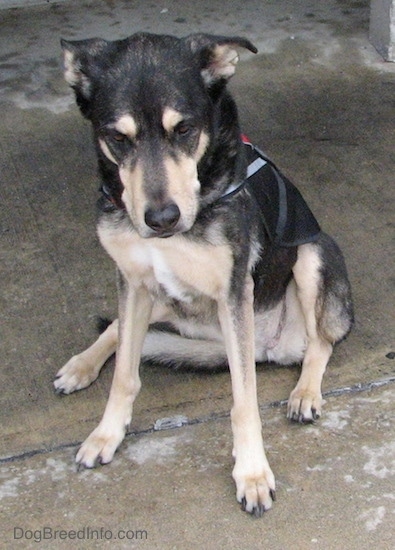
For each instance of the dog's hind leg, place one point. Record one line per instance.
(83, 369)
(134, 315)
(252, 474)
(324, 294)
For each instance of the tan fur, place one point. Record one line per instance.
(127, 126)
(106, 150)
(108, 435)
(143, 269)
(182, 177)
(306, 397)
(205, 269)
(183, 187)
(170, 119)
(202, 146)
(225, 59)
(252, 474)
(82, 369)
(73, 74)
(133, 195)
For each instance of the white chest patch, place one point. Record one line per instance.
(148, 263)
(165, 277)
(178, 267)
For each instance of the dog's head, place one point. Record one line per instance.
(151, 101)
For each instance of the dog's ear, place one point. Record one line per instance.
(217, 55)
(81, 63)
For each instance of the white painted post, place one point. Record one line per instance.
(382, 27)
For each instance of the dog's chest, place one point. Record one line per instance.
(150, 265)
(176, 268)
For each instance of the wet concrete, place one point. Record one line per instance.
(319, 100)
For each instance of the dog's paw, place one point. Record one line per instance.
(256, 493)
(99, 447)
(75, 375)
(304, 406)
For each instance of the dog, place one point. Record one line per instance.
(219, 259)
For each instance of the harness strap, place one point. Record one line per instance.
(283, 211)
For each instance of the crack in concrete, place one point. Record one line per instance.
(337, 392)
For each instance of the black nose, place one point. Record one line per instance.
(164, 219)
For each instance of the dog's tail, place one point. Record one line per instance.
(173, 350)
(165, 346)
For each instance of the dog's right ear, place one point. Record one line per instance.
(81, 64)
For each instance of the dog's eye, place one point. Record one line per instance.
(120, 138)
(183, 128)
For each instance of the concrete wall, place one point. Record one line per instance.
(382, 27)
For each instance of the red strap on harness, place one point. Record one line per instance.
(245, 139)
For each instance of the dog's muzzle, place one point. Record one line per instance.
(163, 221)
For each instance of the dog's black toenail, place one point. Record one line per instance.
(259, 511)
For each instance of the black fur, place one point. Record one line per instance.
(243, 276)
(157, 71)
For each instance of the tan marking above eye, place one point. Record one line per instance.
(171, 118)
(127, 126)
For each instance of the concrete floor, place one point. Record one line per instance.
(319, 100)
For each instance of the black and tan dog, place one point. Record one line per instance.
(211, 242)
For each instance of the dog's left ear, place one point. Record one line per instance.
(217, 55)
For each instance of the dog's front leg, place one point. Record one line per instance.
(252, 474)
(135, 306)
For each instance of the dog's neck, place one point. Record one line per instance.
(223, 167)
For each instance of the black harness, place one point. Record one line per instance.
(284, 212)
